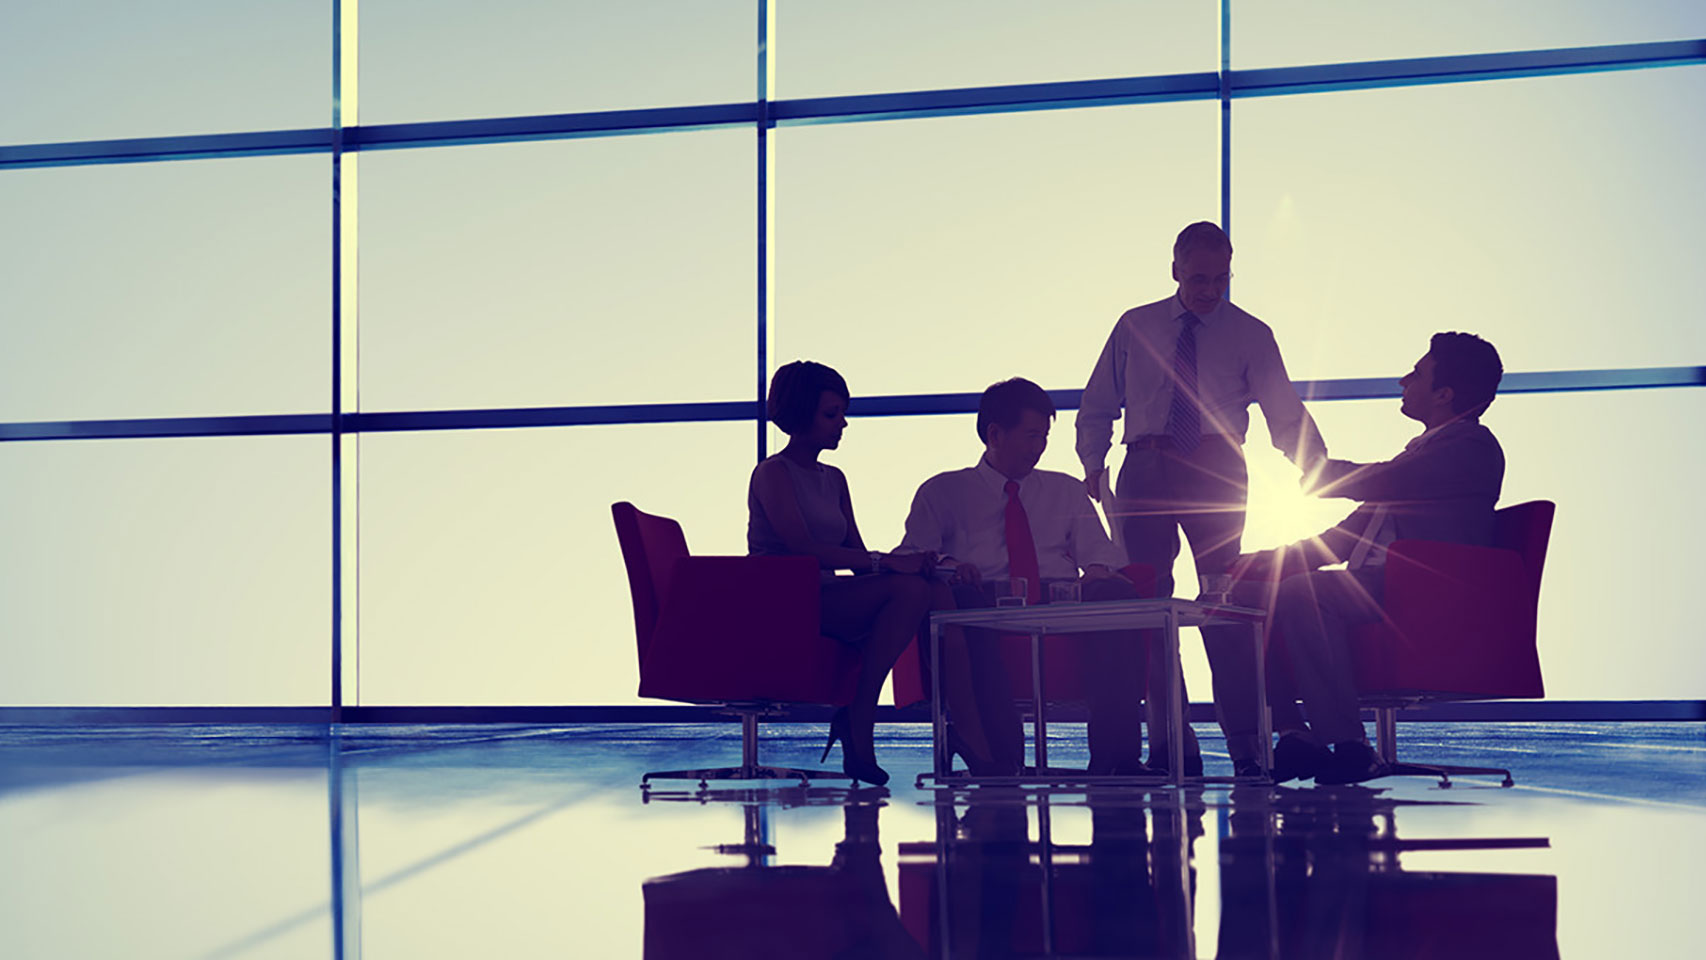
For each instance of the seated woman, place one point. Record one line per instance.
(799, 506)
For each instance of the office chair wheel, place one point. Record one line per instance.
(1508, 781)
(1444, 783)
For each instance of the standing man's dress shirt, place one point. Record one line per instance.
(961, 514)
(1238, 363)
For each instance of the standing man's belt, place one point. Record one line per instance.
(1160, 441)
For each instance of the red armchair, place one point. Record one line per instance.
(738, 632)
(1461, 624)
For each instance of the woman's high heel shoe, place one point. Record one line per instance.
(862, 769)
(976, 763)
(837, 731)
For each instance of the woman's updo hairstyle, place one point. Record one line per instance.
(795, 391)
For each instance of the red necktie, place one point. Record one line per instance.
(1021, 549)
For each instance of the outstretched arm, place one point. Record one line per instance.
(1461, 464)
(1290, 426)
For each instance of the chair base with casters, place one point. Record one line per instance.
(750, 768)
(1386, 745)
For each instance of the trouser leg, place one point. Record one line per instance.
(1212, 482)
(1149, 523)
(992, 687)
(1316, 612)
(1114, 670)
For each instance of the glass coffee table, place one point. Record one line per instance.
(1167, 615)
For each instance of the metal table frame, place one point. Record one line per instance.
(1168, 614)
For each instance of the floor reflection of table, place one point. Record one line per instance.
(1064, 619)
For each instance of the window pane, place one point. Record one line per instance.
(1268, 34)
(826, 48)
(448, 60)
(944, 255)
(1557, 217)
(490, 569)
(195, 288)
(571, 272)
(159, 68)
(166, 572)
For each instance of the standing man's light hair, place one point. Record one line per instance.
(1201, 234)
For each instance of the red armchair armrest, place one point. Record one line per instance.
(745, 628)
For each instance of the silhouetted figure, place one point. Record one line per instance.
(1004, 518)
(1443, 486)
(1184, 371)
(798, 505)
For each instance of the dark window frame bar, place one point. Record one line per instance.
(1011, 98)
(894, 405)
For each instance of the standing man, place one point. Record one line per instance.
(1185, 370)
(1004, 518)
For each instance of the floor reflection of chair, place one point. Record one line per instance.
(985, 889)
(1337, 888)
(757, 911)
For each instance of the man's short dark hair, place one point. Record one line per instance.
(1470, 367)
(1201, 234)
(795, 390)
(1005, 403)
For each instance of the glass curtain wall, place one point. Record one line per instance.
(583, 235)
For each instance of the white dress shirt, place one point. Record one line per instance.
(963, 515)
(1238, 363)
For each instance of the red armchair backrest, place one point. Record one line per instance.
(650, 547)
(1527, 529)
(1461, 621)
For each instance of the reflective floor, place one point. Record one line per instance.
(425, 842)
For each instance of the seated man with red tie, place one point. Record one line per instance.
(1004, 519)
(1442, 486)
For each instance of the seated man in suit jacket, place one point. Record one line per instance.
(1442, 486)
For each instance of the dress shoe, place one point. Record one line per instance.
(1296, 757)
(1248, 769)
(1353, 762)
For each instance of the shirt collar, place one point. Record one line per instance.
(995, 477)
(1180, 310)
(1428, 434)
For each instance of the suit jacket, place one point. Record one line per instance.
(1443, 486)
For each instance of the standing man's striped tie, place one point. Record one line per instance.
(1184, 416)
